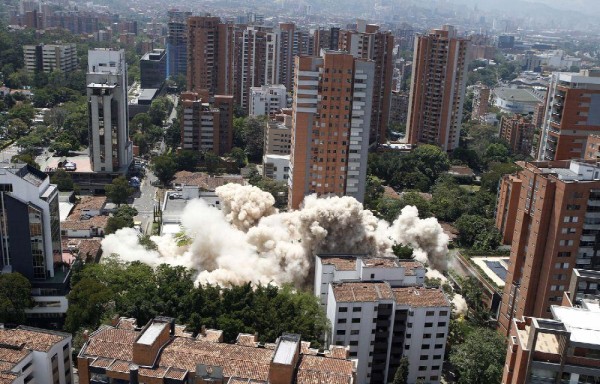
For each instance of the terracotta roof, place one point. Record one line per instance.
(338, 352)
(127, 323)
(361, 291)
(77, 224)
(420, 297)
(340, 263)
(113, 343)
(390, 193)
(323, 370)
(244, 362)
(91, 203)
(31, 338)
(13, 356)
(381, 262)
(206, 181)
(7, 377)
(411, 266)
(450, 230)
(211, 335)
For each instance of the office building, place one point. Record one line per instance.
(30, 234)
(153, 69)
(437, 89)
(368, 42)
(33, 355)
(518, 132)
(550, 214)
(50, 57)
(330, 126)
(207, 126)
(177, 43)
(163, 352)
(110, 147)
(570, 115)
(481, 99)
(559, 349)
(267, 100)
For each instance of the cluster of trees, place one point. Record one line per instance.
(15, 298)
(490, 75)
(123, 218)
(423, 170)
(248, 133)
(137, 290)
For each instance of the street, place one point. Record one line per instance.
(145, 202)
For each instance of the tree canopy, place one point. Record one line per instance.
(15, 297)
(480, 359)
(119, 190)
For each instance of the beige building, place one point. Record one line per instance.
(437, 88)
(50, 57)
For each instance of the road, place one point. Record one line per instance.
(145, 201)
(7, 153)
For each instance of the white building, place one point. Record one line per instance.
(339, 268)
(518, 100)
(276, 167)
(110, 147)
(378, 307)
(382, 324)
(267, 99)
(32, 355)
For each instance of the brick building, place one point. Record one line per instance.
(571, 115)
(162, 352)
(437, 89)
(330, 126)
(518, 132)
(550, 214)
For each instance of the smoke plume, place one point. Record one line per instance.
(249, 241)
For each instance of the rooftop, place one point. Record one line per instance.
(584, 325)
(31, 339)
(112, 349)
(517, 95)
(362, 291)
(420, 297)
(205, 181)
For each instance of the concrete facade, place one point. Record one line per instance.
(267, 100)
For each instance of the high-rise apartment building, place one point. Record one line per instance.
(550, 214)
(368, 42)
(570, 115)
(330, 126)
(378, 307)
(267, 100)
(518, 132)
(255, 62)
(50, 57)
(326, 38)
(177, 43)
(437, 88)
(481, 101)
(30, 238)
(110, 147)
(206, 126)
(278, 134)
(291, 42)
(203, 47)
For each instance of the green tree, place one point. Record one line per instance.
(15, 297)
(159, 109)
(480, 359)
(239, 156)
(119, 190)
(403, 252)
(25, 158)
(188, 160)
(469, 227)
(61, 148)
(491, 178)
(88, 301)
(123, 218)
(373, 192)
(63, 180)
(164, 168)
(17, 128)
(248, 133)
(401, 376)
(212, 162)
